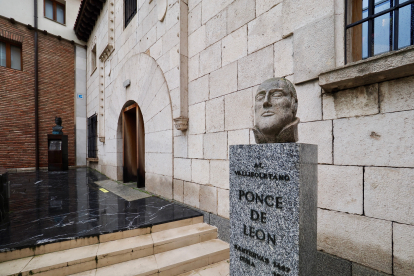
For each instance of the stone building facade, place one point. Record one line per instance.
(62, 75)
(202, 60)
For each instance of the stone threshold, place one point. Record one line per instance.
(95, 160)
(121, 190)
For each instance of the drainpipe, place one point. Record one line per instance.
(36, 92)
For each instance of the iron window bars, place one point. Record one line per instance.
(92, 136)
(371, 15)
(130, 10)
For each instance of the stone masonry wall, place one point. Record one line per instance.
(232, 47)
(364, 134)
(367, 185)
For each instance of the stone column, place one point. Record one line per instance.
(180, 114)
(273, 209)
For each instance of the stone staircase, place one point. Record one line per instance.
(168, 249)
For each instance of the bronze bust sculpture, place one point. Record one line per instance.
(275, 108)
(57, 129)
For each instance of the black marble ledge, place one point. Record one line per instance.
(47, 207)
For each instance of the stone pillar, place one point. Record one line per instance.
(80, 107)
(180, 114)
(273, 209)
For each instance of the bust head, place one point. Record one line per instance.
(275, 109)
(58, 121)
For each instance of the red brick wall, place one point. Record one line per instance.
(56, 91)
(56, 98)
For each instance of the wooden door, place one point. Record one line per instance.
(133, 137)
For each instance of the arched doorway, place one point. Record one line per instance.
(149, 90)
(133, 144)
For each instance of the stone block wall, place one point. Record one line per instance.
(368, 183)
(56, 97)
(364, 133)
(232, 47)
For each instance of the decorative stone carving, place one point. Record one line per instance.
(161, 9)
(109, 48)
(106, 52)
(181, 123)
(275, 109)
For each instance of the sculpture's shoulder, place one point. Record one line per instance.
(289, 134)
(259, 137)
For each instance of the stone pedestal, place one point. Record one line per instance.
(4, 194)
(273, 209)
(57, 152)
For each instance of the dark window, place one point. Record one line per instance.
(55, 10)
(377, 26)
(11, 55)
(92, 136)
(130, 10)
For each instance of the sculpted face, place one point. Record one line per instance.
(58, 121)
(275, 107)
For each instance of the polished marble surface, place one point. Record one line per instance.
(47, 207)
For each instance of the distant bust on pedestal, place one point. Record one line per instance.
(276, 103)
(57, 129)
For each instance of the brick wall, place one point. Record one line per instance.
(56, 92)
(56, 98)
(17, 129)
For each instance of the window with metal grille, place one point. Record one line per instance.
(92, 136)
(377, 26)
(130, 10)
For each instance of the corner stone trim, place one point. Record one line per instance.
(11, 36)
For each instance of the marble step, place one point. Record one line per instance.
(86, 241)
(108, 253)
(137, 247)
(174, 262)
(218, 269)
